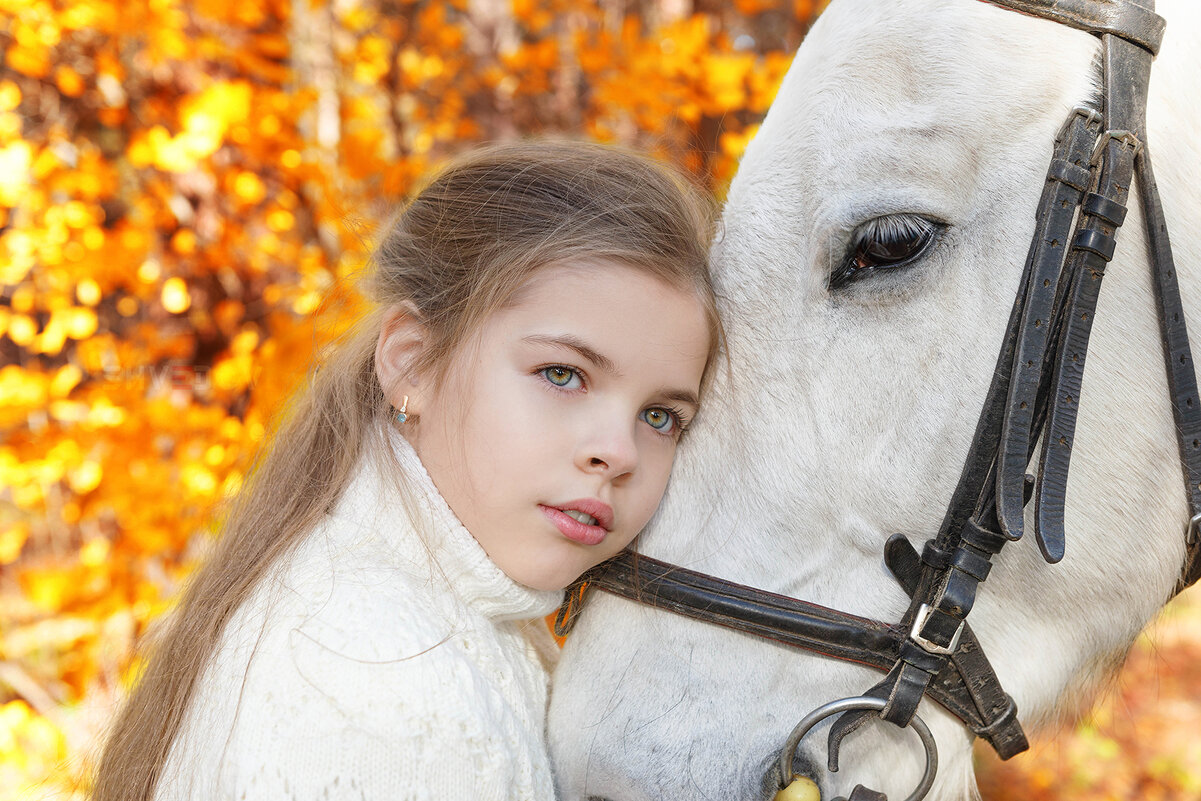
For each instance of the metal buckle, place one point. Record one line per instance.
(1125, 137)
(915, 633)
(1192, 530)
(1091, 116)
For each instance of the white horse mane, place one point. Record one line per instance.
(845, 415)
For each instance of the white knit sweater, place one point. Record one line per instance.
(376, 662)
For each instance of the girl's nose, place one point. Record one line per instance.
(609, 450)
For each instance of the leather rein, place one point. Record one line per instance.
(1033, 395)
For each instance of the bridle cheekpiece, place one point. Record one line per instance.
(1033, 397)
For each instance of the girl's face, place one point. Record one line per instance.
(553, 434)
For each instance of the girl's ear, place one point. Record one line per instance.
(402, 340)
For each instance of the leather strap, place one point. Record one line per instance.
(970, 533)
(1127, 70)
(1128, 19)
(1048, 249)
(799, 624)
(793, 622)
(1178, 358)
(994, 716)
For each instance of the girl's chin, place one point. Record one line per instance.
(549, 577)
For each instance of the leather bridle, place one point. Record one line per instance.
(1034, 394)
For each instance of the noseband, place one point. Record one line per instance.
(1034, 394)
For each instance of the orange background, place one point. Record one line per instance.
(187, 192)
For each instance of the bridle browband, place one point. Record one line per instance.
(1034, 395)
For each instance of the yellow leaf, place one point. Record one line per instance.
(88, 292)
(199, 480)
(280, 220)
(69, 81)
(48, 589)
(12, 540)
(86, 477)
(184, 242)
(22, 329)
(65, 379)
(149, 271)
(94, 552)
(10, 96)
(81, 322)
(33, 60)
(15, 162)
(249, 187)
(175, 296)
(245, 342)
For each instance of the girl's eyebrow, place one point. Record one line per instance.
(606, 364)
(579, 346)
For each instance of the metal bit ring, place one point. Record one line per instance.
(848, 705)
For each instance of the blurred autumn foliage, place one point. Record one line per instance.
(1139, 743)
(186, 192)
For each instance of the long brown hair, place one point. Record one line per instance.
(457, 252)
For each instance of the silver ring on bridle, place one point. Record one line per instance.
(861, 702)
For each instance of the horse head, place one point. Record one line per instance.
(868, 258)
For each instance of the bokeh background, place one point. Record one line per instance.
(187, 191)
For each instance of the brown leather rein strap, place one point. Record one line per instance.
(1178, 357)
(810, 627)
(1033, 397)
(1134, 32)
(1128, 20)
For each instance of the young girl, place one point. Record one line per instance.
(505, 420)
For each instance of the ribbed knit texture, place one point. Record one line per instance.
(387, 658)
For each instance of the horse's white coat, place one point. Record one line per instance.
(845, 416)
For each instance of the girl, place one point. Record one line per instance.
(505, 420)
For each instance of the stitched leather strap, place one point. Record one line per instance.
(1178, 358)
(1056, 212)
(994, 714)
(1130, 20)
(753, 611)
(995, 709)
(808, 626)
(947, 589)
(1127, 70)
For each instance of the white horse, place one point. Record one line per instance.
(846, 413)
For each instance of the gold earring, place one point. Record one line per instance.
(401, 414)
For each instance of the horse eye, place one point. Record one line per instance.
(882, 244)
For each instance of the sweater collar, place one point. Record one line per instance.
(373, 499)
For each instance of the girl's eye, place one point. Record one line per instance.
(662, 420)
(885, 243)
(564, 377)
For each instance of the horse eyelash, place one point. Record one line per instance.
(893, 224)
(890, 225)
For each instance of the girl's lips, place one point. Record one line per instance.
(573, 529)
